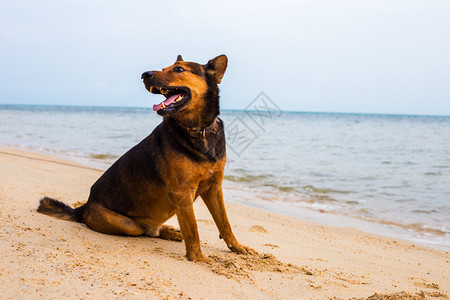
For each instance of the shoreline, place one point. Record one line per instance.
(386, 229)
(298, 210)
(46, 257)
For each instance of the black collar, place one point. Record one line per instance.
(200, 132)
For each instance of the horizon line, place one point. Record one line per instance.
(236, 110)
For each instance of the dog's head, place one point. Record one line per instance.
(190, 89)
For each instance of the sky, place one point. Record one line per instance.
(315, 56)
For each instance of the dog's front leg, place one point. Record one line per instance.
(188, 226)
(213, 199)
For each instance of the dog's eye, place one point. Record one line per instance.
(179, 69)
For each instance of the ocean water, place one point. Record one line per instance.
(385, 174)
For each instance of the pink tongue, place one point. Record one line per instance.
(166, 102)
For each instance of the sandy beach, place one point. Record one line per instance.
(42, 257)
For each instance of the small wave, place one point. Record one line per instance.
(432, 174)
(287, 189)
(323, 198)
(318, 195)
(352, 202)
(428, 228)
(313, 189)
(123, 136)
(437, 230)
(422, 211)
(103, 156)
(441, 167)
(246, 178)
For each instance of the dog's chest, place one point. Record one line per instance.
(185, 173)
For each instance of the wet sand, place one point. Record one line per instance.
(45, 257)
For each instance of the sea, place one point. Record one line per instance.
(383, 174)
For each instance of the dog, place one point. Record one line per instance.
(181, 160)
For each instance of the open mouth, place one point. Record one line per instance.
(175, 97)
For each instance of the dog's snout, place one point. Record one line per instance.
(147, 75)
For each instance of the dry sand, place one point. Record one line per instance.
(42, 257)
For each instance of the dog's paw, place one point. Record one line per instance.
(170, 233)
(241, 249)
(197, 257)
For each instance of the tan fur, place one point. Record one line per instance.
(131, 198)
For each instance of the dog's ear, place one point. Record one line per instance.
(217, 67)
(179, 58)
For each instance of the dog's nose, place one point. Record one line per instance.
(147, 75)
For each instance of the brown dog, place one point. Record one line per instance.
(182, 159)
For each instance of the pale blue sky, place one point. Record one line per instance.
(319, 55)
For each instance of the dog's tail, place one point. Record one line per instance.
(59, 210)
